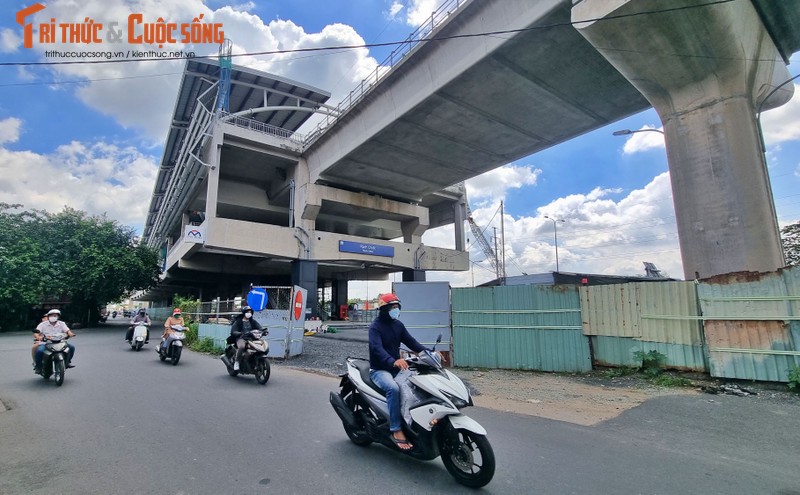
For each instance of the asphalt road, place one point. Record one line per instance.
(126, 423)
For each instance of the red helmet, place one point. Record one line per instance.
(387, 299)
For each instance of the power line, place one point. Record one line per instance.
(391, 43)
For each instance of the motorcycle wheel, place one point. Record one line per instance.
(176, 355)
(138, 346)
(470, 459)
(58, 374)
(358, 436)
(262, 371)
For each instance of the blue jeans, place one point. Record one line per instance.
(40, 353)
(385, 381)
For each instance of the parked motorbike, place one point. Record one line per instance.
(139, 336)
(432, 400)
(54, 360)
(174, 345)
(254, 359)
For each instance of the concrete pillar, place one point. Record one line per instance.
(339, 294)
(304, 274)
(212, 190)
(703, 69)
(413, 275)
(459, 217)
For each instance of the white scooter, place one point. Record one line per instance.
(433, 423)
(139, 336)
(174, 345)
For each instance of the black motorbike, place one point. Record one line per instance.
(55, 358)
(254, 359)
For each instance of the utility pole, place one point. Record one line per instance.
(496, 262)
(503, 241)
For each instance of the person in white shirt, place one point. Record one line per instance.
(45, 329)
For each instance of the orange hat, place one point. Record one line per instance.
(176, 311)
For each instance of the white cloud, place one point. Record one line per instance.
(644, 141)
(600, 235)
(394, 9)
(419, 11)
(496, 183)
(783, 123)
(9, 41)
(9, 130)
(93, 177)
(142, 95)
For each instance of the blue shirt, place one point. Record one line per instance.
(385, 337)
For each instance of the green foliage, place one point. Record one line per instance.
(651, 362)
(619, 372)
(794, 379)
(192, 333)
(68, 256)
(666, 380)
(790, 235)
(206, 345)
(190, 307)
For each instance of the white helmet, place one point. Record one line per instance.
(54, 312)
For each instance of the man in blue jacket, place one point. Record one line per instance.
(386, 333)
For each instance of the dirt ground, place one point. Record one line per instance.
(584, 399)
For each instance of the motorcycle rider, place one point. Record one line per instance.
(141, 317)
(175, 319)
(240, 327)
(45, 329)
(386, 333)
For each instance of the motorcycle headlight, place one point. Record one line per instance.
(459, 403)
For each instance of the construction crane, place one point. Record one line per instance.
(484, 243)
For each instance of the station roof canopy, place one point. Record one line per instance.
(250, 89)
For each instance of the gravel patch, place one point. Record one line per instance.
(325, 356)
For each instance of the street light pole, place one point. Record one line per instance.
(555, 234)
(625, 132)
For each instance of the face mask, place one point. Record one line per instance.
(248, 315)
(177, 315)
(52, 319)
(394, 313)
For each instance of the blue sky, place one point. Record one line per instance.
(90, 136)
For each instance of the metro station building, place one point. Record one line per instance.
(236, 201)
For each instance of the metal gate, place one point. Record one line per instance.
(284, 316)
(426, 311)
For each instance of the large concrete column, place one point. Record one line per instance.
(304, 274)
(703, 70)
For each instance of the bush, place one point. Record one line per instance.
(206, 345)
(651, 362)
(192, 333)
(794, 379)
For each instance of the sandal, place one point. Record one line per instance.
(401, 443)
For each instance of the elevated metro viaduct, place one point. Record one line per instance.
(281, 207)
(244, 171)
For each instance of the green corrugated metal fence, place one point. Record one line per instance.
(530, 327)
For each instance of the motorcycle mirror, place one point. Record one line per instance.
(438, 341)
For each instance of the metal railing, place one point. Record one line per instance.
(258, 126)
(444, 11)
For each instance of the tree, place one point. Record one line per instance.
(791, 243)
(89, 260)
